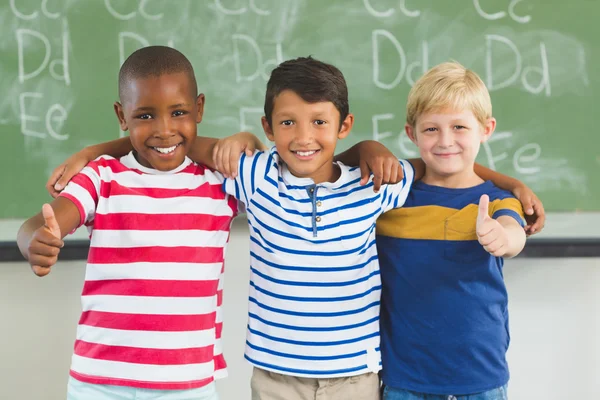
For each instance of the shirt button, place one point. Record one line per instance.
(312, 190)
(318, 219)
(319, 203)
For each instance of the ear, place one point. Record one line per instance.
(488, 129)
(410, 132)
(120, 116)
(200, 100)
(346, 126)
(267, 128)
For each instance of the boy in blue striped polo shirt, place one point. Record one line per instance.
(313, 327)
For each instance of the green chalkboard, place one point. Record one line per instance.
(59, 61)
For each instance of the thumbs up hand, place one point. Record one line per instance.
(490, 233)
(45, 243)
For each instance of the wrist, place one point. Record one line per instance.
(517, 187)
(90, 153)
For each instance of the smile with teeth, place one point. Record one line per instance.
(306, 153)
(165, 150)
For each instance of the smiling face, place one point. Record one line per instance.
(306, 134)
(449, 141)
(161, 114)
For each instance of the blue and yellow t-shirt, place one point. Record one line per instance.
(444, 317)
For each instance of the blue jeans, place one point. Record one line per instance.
(78, 390)
(390, 393)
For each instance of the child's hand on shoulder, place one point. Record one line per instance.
(45, 244)
(66, 171)
(535, 215)
(377, 159)
(227, 151)
(490, 233)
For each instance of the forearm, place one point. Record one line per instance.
(502, 181)
(260, 146)
(115, 148)
(201, 151)
(516, 236)
(26, 232)
(351, 157)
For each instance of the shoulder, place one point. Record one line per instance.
(203, 172)
(105, 165)
(261, 162)
(495, 193)
(105, 160)
(408, 178)
(269, 157)
(500, 198)
(503, 202)
(348, 173)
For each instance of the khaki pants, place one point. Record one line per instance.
(267, 385)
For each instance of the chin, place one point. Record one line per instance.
(167, 166)
(445, 171)
(303, 173)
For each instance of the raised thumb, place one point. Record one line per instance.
(50, 220)
(484, 204)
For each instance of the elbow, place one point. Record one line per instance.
(23, 241)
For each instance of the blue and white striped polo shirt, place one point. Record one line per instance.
(314, 275)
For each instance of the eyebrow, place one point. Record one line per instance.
(141, 109)
(292, 113)
(452, 121)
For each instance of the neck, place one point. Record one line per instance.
(327, 173)
(332, 176)
(143, 162)
(461, 180)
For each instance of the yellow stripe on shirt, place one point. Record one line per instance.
(437, 222)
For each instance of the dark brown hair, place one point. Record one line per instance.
(313, 80)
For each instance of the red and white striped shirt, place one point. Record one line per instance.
(151, 301)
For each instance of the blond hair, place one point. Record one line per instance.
(449, 86)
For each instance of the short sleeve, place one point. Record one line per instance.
(394, 196)
(508, 206)
(252, 173)
(84, 190)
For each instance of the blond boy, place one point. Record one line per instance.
(444, 316)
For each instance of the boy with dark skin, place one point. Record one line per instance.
(151, 322)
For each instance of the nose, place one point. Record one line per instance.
(446, 138)
(165, 128)
(304, 135)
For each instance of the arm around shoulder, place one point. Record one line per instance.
(535, 214)
(73, 165)
(373, 157)
(224, 154)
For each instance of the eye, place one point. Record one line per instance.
(287, 122)
(144, 116)
(459, 127)
(178, 113)
(320, 122)
(431, 129)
